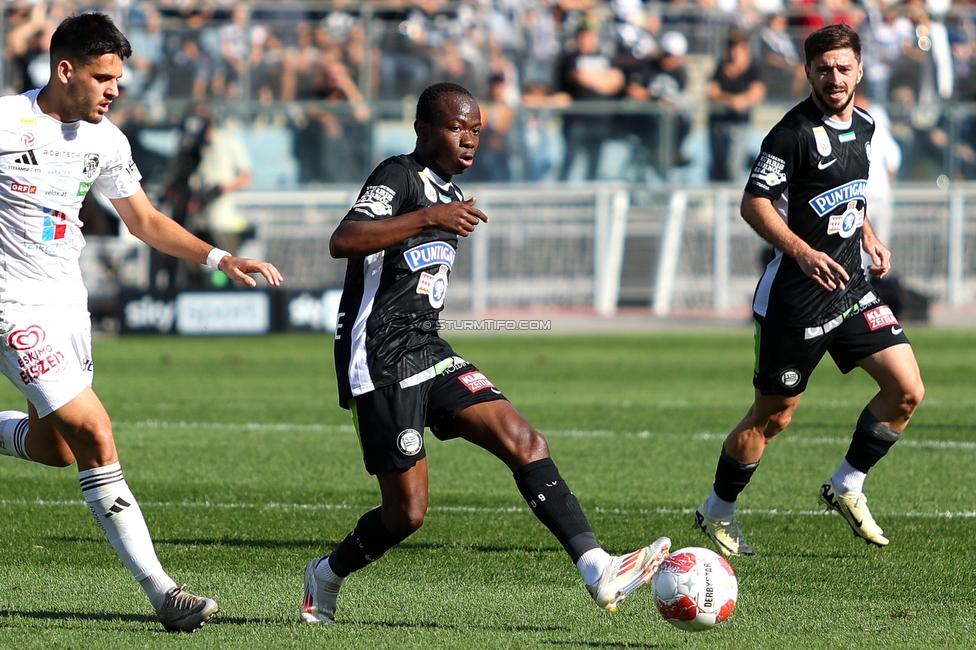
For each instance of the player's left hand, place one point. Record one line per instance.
(880, 257)
(237, 268)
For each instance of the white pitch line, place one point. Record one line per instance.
(625, 512)
(561, 433)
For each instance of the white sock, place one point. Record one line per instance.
(116, 511)
(14, 427)
(592, 564)
(323, 571)
(156, 587)
(717, 508)
(848, 479)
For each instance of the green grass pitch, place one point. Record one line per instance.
(246, 468)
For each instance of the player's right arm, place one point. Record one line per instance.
(759, 213)
(361, 238)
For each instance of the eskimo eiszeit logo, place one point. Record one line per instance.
(825, 203)
(429, 254)
(27, 338)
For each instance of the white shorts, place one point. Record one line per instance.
(46, 353)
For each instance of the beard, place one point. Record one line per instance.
(834, 105)
(82, 105)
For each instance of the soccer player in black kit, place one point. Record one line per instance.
(397, 376)
(805, 196)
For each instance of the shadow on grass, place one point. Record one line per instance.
(433, 625)
(78, 616)
(52, 615)
(606, 644)
(320, 545)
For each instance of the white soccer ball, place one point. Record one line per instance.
(695, 589)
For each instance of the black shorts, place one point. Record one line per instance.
(786, 355)
(390, 420)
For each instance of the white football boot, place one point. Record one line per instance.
(319, 604)
(625, 573)
(725, 533)
(854, 507)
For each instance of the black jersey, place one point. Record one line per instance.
(391, 300)
(814, 169)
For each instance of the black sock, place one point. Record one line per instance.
(870, 443)
(732, 477)
(556, 507)
(367, 542)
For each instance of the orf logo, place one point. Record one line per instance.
(27, 338)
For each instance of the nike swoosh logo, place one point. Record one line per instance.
(825, 165)
(896, 330)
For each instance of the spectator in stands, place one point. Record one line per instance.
(28, 45)
(662, 80)
(497, 129)
(542, 46)
(538, 128)
(881, 49)
(450, 66)
(926, 64)
(301, 63)
(190, 70)
(587, 74)
(235, 39)
(735, 89)
(782, 69)
(145, 79)
(224, 168)
(329, 145)
(267, 65)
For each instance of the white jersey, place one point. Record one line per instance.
(46, 169)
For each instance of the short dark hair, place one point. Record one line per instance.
(82, 38)
(428, 105)
(832, 37)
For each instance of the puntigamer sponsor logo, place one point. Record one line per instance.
(425, 255)
(825, 203)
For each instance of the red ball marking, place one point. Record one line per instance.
(682, 609)
(725, 612)
(681, 563)
(725, 565)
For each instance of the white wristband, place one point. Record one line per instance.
(214, 257)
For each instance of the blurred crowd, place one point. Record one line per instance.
(558, 79)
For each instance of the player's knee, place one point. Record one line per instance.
(93, 444)
(530, 445)
(777, 422)
(406, 521)
(911, 398)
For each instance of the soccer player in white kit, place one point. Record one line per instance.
(54, 147)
